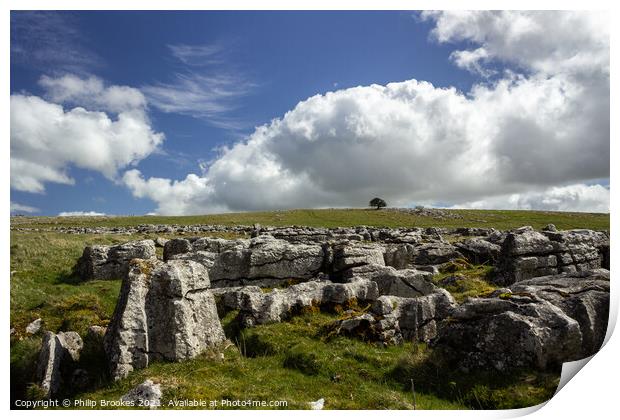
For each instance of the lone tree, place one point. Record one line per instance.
(377, 202)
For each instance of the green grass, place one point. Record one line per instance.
(500, 219)
(477, 389)
(290, 362)
(42, 284)
(473, 280)
(295, 362)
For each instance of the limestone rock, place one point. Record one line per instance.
(165, 311)
(347, 256)
(400, 256)
(437, 252)
(478, 250)
(403, 283)
(519, 331)
(176, 246)
(233, 263)
(147, 394)
(278, 259)
(393, 319)
(103, 262)
(407, 255)
(550, 228)
(279, 304)
(582, 296)
(59, 352)
(417, 317)
(34, 326)
(527, 254)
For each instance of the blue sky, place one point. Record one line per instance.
(206, 80)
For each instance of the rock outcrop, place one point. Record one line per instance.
(403, 283)
(526, 253)
(393, 319)
(102, 262)
(257, 307)
(35, 326)
(233, 263)
(537, 323)
(165, 311)
(479, 250)
(431, 253)
(583, 296)
(553, 305)
(347, 256)
(58, 355)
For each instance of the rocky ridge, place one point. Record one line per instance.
(553, 306)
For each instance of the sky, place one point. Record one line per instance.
(130, 113)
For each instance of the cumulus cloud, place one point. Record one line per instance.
(91, 93)
(578, 197)
(22, 208)
(543, 124)
(472, 61)
(550, 42)
(109, 130)
(173, 197)
(80, 213)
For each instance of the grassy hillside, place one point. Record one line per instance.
(499, 219)
(293, 361)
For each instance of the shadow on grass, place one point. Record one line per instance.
(71, 278)
(432, 372)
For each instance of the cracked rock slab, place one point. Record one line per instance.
(58, 354)
(403, 283)
(102, 262)
(527, 254)
(537, 323)
(165, 311)
(393, 319)
(582, 296)
(238, 262)
(280, 304)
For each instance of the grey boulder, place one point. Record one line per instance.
(147, 394)
(582, 296)
(403, 283)
(102, 262)
(280, 304)
(58, 354)
(165, 311)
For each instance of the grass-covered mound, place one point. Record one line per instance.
(499, 219)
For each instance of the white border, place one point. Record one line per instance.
(591, 394)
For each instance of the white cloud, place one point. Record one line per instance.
(173, 197)
(197, 55)
(472, 61)
(413, 142)
(46, 139)
(207, 88)
(22, 208)
(578, 197)
(91, 93)
(80, 213)
(548, 42)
